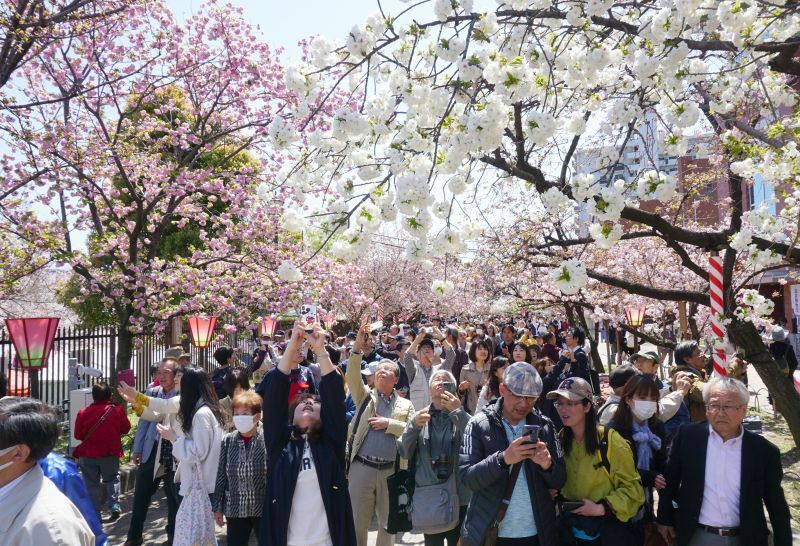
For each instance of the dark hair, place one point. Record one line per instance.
(494, 383)
(196, 385)
(548, 336)
(473, 349)
(101, 392)
(643, 385)
(684, 349)
(222, 355)
(31, 422)
(620, 376)
(235, 377)
(525, 348)
(578, 334)
(314, 431)
(591, 441)
(453, 333)
(510, 327)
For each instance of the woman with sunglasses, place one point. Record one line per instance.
(603, 490)
(305, 440)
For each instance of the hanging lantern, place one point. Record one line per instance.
(635, 315)
(33, 339)
(268, 325)
(202, 330)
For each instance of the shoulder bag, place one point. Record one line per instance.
(490, 538)
(401, 489)
(434, 508)
(98, 423)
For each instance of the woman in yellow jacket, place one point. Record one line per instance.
(603, 489)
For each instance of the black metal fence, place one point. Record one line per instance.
(97, 348)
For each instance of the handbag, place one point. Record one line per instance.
(490, 538)
(194, 523)
(401, 489)
(434, 508)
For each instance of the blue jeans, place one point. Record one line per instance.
(97, 471)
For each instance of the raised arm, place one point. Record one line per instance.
(355, 383)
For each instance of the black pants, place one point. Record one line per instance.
(527, 541)
(143, 494)
(451, 536)
(239, 530)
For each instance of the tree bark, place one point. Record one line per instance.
(124, 350)
(745, 336)
(597, 364)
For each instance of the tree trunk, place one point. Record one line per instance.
(124, 350)
(597, 364)
(745, 336)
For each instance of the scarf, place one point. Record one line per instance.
(646, 443)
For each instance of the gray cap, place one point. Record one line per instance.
(522, 379)
(778, 333)
(370, 369)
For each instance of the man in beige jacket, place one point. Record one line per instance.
(381, 417)
(34, 512)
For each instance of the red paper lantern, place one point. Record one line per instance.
(635, 315)
(202, 330)
(268, 325)
(33, 339)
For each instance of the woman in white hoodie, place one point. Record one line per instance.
(198, 440)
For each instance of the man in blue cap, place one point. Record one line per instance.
(511, 457)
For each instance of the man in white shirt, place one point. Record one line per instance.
(34, 511)
(720, 477)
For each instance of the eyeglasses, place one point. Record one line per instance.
(561, 404)
(716, 408)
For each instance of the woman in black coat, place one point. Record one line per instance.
(636, 420)
(305, 449)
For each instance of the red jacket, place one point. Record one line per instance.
(105, 440)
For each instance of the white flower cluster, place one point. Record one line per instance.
(583, 186)
(288, 272)
(658, 186)
(609, 204)
(352, 245)
(443, 289)
(293, 222)
(555, 201)
(757, 305)
(282, 133)
(606, 234)
(570, 276)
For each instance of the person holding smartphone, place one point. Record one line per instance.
(511, 450)
(434, 435)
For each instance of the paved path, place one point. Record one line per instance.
(154, 532)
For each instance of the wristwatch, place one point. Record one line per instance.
(354, 352)
(501, 460)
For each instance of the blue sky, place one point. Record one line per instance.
(284, 22)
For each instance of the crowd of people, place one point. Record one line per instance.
(473, 434)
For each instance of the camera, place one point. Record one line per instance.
(441, 465)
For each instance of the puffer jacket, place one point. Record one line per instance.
(480, 471)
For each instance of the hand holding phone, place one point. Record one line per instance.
(569, 506)
(532, 431)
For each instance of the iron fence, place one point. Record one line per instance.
(97, 348)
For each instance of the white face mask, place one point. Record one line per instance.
(644, 409)
(437, 351)
(3, 452)
(244, 423)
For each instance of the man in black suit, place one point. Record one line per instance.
(721, 476)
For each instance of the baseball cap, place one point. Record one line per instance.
(351, 335)
(650, 355)
(427, 341)
(280, 333)
(573, 388)
(621, 374)
(522, 379)
(370, 369)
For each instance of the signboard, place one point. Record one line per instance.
(795, 296)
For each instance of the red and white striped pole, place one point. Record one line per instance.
(717, 312)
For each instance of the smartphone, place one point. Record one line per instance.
(127, 376)
(533, 432)
(449, 387)
(308, 316)
(569, 506)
